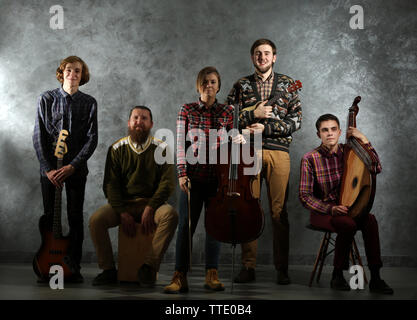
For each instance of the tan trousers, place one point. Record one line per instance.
(276, 172)
(166, 219)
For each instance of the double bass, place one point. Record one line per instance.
(235, 214)
(358, 184)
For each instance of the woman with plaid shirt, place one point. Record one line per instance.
(194, 122)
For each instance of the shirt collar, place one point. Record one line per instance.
(325, 152)
(201, 105)
(259, 78)
(74, 96)
(139, 148)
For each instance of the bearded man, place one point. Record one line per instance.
(137, 189)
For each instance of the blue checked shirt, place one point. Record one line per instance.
(76, 113)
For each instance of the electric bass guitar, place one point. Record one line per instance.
(54, 246)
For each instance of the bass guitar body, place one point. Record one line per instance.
(53, 251)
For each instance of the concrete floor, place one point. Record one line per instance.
(18, 282)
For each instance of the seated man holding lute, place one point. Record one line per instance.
(320, 179)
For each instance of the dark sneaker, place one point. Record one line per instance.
(380, 286)
(339, 283)
(75, 278)
(283, 278)
(106, 277)
(245, 275)
(147, 274)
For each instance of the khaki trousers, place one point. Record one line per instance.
(276, 172)
(166, 219)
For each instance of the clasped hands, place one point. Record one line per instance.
(147, 222)
(57, 177)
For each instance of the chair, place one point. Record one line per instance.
(132, 253)
(323, 253)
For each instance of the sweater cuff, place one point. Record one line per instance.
(267, 129)
(154, 204)
(119, 210)
(251, 116)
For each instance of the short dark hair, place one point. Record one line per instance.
(326, 117)
(85, 73)
(143, 108)
(203, 73)
(260, 42)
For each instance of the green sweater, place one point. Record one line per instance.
(131, 172)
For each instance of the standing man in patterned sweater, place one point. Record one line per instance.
(137, 188)
(277, 123)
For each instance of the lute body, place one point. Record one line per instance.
(358, 184)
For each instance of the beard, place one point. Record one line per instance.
(264, 69)
(139, 136)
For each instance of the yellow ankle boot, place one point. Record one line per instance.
(178, 284)
(212, 281)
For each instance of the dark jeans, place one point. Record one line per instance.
(200, 193)
(75, 188)
(346, 227)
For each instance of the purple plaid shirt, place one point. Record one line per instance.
(321, 173)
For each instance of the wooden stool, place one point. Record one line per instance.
(132, 253)
(323, 253)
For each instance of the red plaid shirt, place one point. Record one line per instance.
(321, 175)
(194, 122)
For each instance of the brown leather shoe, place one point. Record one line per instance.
(380, 286)
(178, 283)
(147, 275)
(212, 281)
(107, 277)
(245, 275)
(338, 282)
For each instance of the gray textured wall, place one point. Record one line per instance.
(149, 52)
